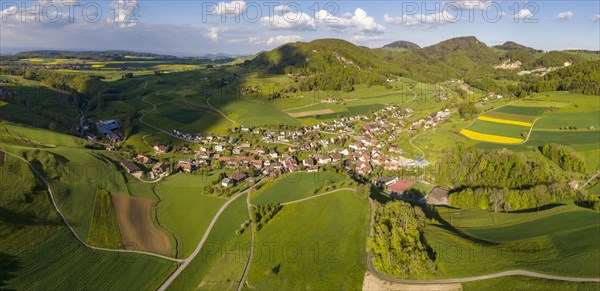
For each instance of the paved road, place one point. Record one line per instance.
(465, 279)
(189, 259)
(64, 219)
(247, 268)
(414, 146)
(317, 196)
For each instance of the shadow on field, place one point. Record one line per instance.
(432, 213)
(542, 208)
(20, 219)
(9, 265)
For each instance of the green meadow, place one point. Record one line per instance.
(561, 240)
(221, 261)
(317, 244)
(38, 252)
(185, 210)
(292, 186)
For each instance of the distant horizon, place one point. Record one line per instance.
(14, 51)
(188, 28)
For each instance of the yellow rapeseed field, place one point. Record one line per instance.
(489, 138)
(505, 121)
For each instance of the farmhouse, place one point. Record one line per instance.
(398, 187)
(161, 148)
(184, 166)
(111, 129)
(160, 168)
(437, 196)
(131, 168)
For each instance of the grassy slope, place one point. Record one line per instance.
(317, 244)
(526, 283)
(292, 187)
(562, 240)
(185, 210)
(221, 262)
(39, 253)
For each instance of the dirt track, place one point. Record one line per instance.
(310, 113)
(135, 222)
(371, 282)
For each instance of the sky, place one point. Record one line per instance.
(194, 28)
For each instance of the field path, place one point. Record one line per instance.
(157, 128)
(465, 279)
(219, 111)
(188, 260)
(251, 256)
(64, 219)
(317, 196)
(414, 146)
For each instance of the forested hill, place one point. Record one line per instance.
(583, 78)
(402, 44)
(331, 64)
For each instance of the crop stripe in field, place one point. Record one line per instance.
(489, 137)
(505, 121)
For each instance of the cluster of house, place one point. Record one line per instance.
(432, 120)
(187, 136)
(368, 146)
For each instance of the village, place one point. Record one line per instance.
(361, 145)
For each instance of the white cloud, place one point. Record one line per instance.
(469, 4)
(281, 39)
(524, 14)
(124, 13)
(230, 9)
(276, 40)
(421, 19)
(334, 22)
(567, 15)
(365, 23)
(213, 33)
(289, 20)
(596, 18)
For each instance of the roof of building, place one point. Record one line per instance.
(400, 186)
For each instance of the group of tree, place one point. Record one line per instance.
(467, 110)
(262, 214)
(397, 243)
(505, 199)
(502, 180)
(566, 158)
(582, 78)
(465, 166)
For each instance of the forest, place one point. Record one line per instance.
(397, 242)
(501, 180)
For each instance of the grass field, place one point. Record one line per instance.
(571, 109)
(293, 186)
(318, 244)
(221, 262)
(561, 240)
(526, 284)
(37, 251)
(104, 229)
(185, 210)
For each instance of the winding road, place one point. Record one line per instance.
(188, 260)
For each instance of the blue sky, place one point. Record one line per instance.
(247, 27)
